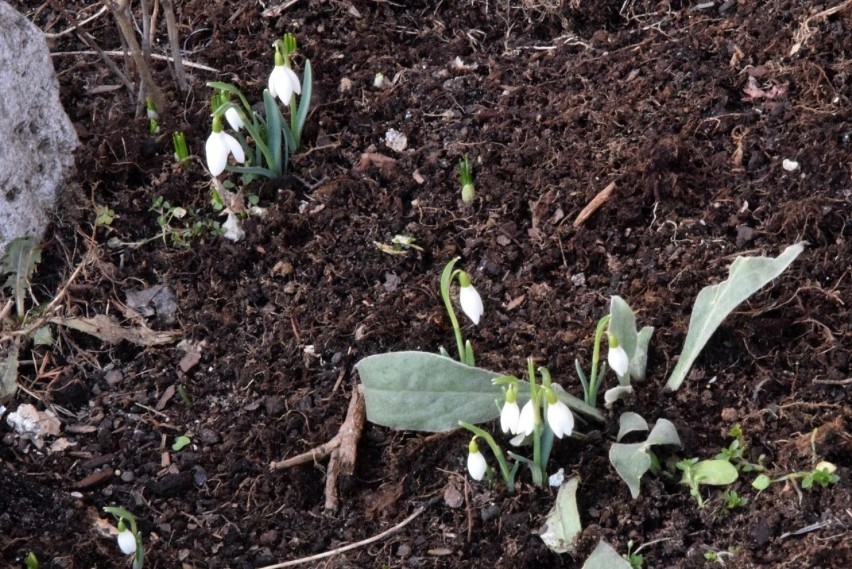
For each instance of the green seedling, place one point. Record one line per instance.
(706, 472)
(105, 216)
(31, 561)
(635, 559)
(168, 217)
(733, 500)
(734, 453)
(468, 192)
(151, 111)
(823, 475)
(181, 149)
(181, 442)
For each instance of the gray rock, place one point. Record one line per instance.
(38, 139)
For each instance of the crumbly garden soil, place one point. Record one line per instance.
(689, 108)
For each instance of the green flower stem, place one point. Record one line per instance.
(592, 395)
(535, 395)
(508, 474)
(447, 278)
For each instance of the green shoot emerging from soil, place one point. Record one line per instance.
(468, 192)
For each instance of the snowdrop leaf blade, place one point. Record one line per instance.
(604, 556)
(630, 422)
(746, 276)
(273, 131)
(304, 102)
(622, 324)
(639, 362)
(663, 433)
(421, 391)
(562, 525)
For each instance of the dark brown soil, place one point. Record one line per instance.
(553, 101)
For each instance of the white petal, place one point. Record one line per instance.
(471, 303)
(234, 147)
(234, 119)
(294, 80)
(509, 417)
(560, 419)
(526, 422)
(127, 542)
(216, 150)
(476, 465)
(618, 361)
(280, 85)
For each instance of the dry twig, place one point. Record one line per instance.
(121, 12)
(593, 206)
(342, 449)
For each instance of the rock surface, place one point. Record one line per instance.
(36, 155)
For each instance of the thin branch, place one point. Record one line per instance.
(114, 53)
(172, 28)
(121, 12)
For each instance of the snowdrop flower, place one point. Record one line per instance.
(617, 357)
(232, 115)
(476, 464)
(471, 302)
(511, 413)
(526, 422)
(559, 416)
(219, 145)
(283, 81)
(126, 540)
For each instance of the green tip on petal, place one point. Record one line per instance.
(613, 341)
(511, 395)
(473, 448)
(464, 279)
(551, 396)
(217, 124)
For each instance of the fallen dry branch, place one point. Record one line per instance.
(593, 205)
(342, 449)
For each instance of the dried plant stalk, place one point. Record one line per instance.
(121, 12)
(171, 26)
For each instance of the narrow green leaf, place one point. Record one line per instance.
(222, 86)
(265, 172)
(562, 525)
(604, 556)
(622, 325)
(274, 121)
(304, 105)
(746, 276)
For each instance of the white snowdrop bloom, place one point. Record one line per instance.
(476, 464)
(127, 542)
(232, 115)
(617, 358)
(510, 416)
(471, 302)
(560, 419)
(526, 422)
(283, 81)
(219, 145)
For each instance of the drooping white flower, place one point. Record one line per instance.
(127, 542)
(283, 81)
(526, 422)
(510, 415)
(559, 417)
(476, 464)
(469, 299)
(232, 115)
(617, 358)
(219, 145)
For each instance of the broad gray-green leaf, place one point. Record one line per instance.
(9, 372)
(419, 391)
(615, 394)
(746, 276)
(631, 461)
(19, 262)
(639, 361)
(630, 422)
(663, 433)
(714, 472)
(604, 556)
(562, 525)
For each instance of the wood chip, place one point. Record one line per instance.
(593, 206)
